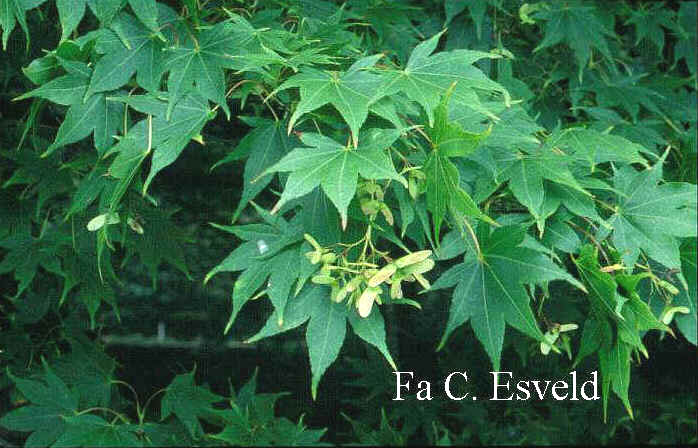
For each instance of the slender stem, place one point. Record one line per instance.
(472, 235)
(98, 408)
(135, 394)
(145, 406)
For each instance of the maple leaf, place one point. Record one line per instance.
(579, 26)
(650, 216)
(50, 402)
(264, 255)
(528, 178)
(160, 241)
(336, 167)
(649, 20)
(165, 137)
(199, 60)
(189, 402)
(425, 79)
(327, 328)
(443, 191)
(250, 410)
(96, 115)
(490, 287)
(626, 313)
(351, 92)
(128, 48)
(624, 92)
(25, 254)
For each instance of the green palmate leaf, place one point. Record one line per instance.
(265, 144)
(649, 22)
(93, 381)
(490, 288)
(263, 255)
(593, 147)
(25, 254)
(426, 78)
(528, 178)
(96, 115)
(443, 190)
(625, 92)
(251, 411)
(189, 402)
(326, 331)
(579, 25)
(128, 47)
(91, 430)
(336, 167)
(159, 241)
(350, 93)
(41, 173)
(82, 276)
(199, 60)
(629, 316)
(651, 216)
(327, 328)
(166, 139)
(50, 401)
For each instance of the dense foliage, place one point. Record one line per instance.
(526, 168)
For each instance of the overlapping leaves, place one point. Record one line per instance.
(490, 288)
